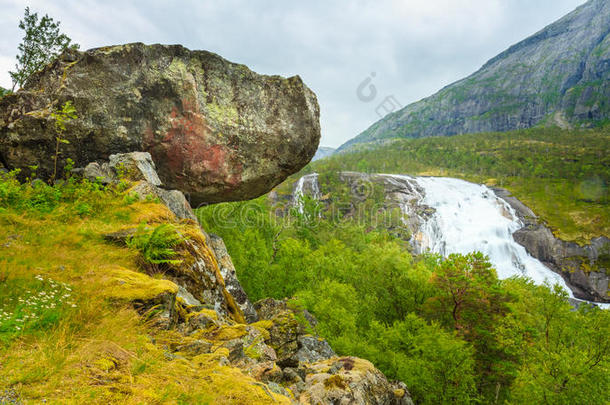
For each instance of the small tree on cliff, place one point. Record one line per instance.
(62, 116)
(41, 44)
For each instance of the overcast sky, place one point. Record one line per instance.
(412, 47)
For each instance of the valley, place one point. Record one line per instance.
(172, 232)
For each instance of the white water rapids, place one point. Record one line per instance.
(470, 217)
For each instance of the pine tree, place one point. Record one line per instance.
(41, 44)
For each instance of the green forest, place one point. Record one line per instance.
(450, 329)
(563, 176)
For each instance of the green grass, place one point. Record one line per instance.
(68, 331)
(31, 305)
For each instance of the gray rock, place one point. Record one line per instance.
(573, 262)
(312, 349)
(522, 211)
(290, 374)
(349, 380)
(278, 389)
(236, 350)
(135, 166)
(289, 336)
(187, 297)
(172, 199)
(177, 203)
(403, 397)
(139, 167)
(96, 172)
(268, 308)
(198, 275)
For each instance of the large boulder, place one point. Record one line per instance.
(215, 129)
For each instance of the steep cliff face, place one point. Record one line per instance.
(585, 268)
(217, 130)
(560, 76)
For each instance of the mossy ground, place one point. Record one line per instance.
(98, 348)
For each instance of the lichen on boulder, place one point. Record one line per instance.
(216, 130)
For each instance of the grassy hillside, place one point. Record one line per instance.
(564, 176)
(69, 330)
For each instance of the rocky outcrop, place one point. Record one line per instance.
(227, 270)
(212, 323)
(583, 267)
(558, 76)
(310, 369)
(138, 168)
(350, 380)
(289, 334)
(196, 272)
(216, 130)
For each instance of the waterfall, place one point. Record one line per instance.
(469, 217)
(307, 184)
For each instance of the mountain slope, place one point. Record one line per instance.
(559, 75)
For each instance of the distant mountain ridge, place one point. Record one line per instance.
(559, 76)
(322, 152)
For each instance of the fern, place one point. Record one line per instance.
(157, 246)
